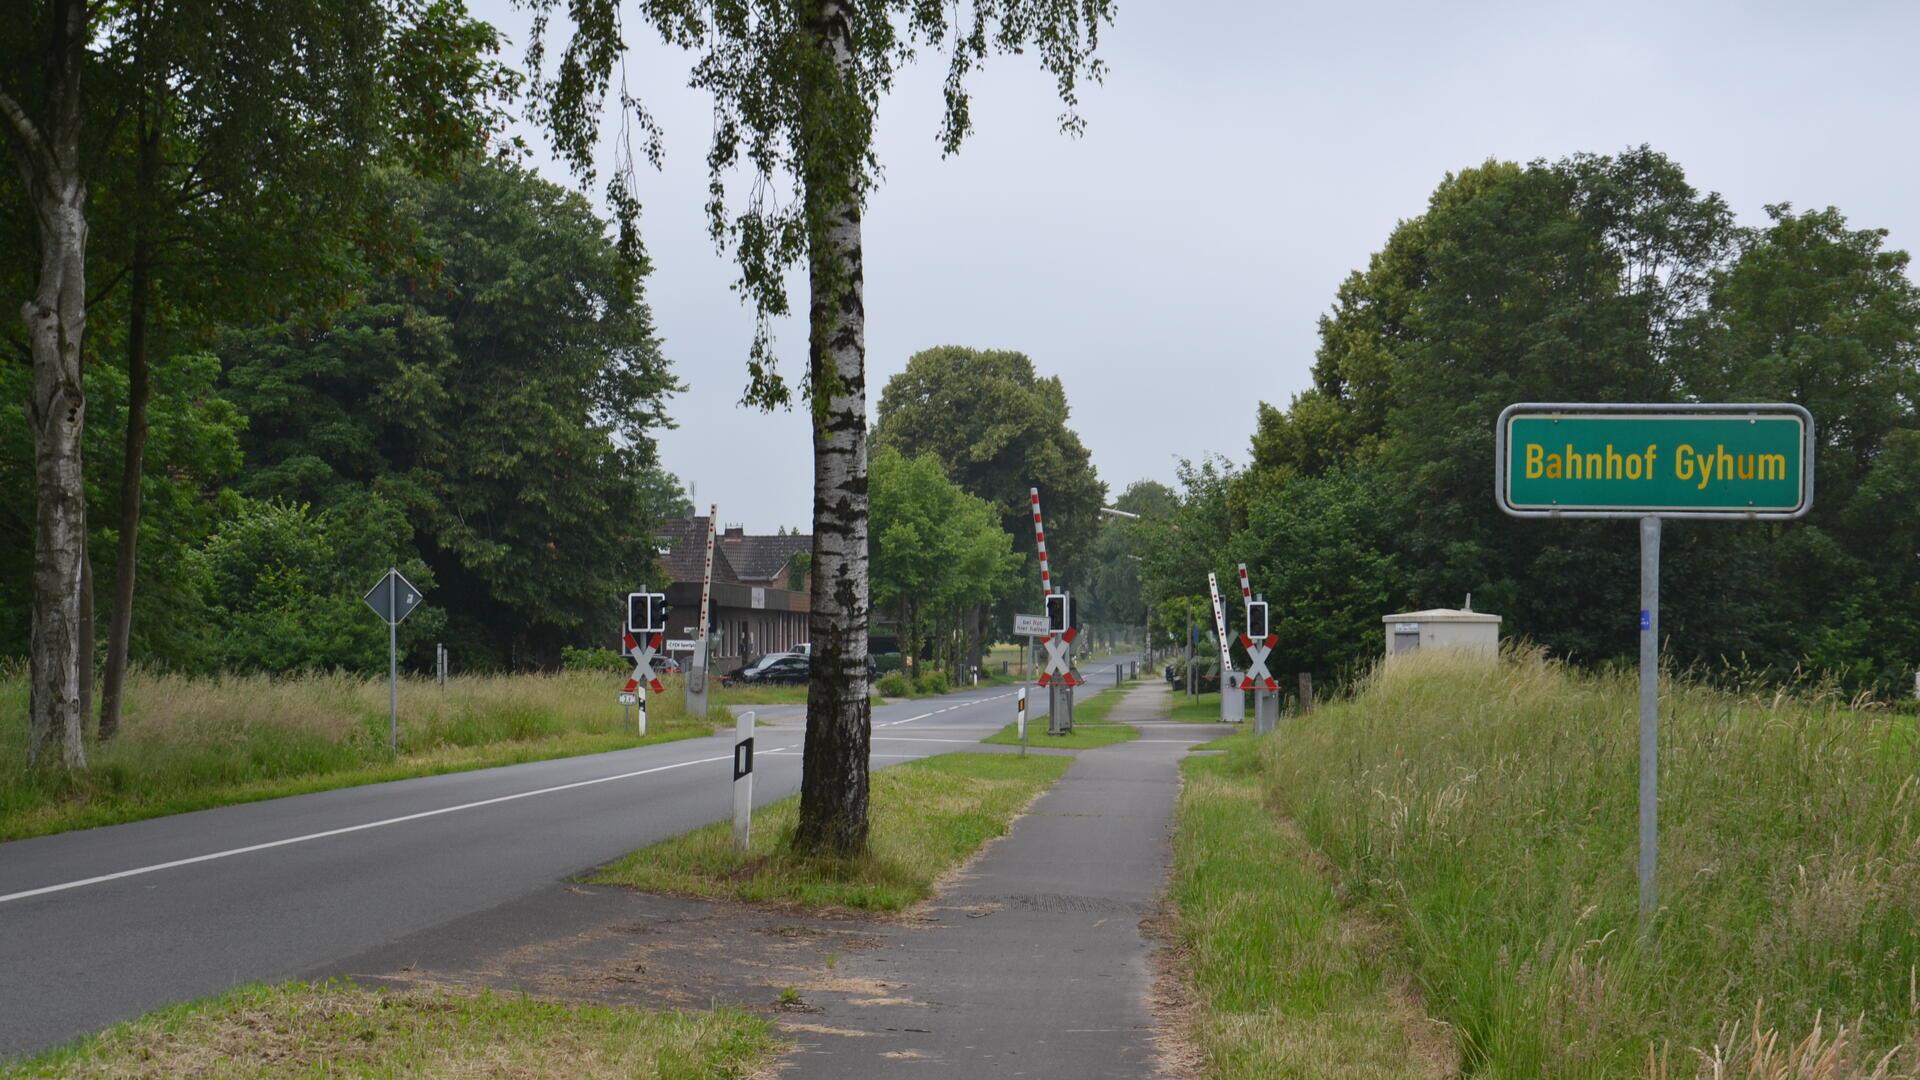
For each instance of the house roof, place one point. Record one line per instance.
(764, 558)
(685, 554)
(737, 557)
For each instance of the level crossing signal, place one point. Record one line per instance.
(1058, 613)
(1257, 620)
(646, 613)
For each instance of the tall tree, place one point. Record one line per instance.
(502, 395)
(252, 129)
(1002, 430)
(796, 85)
(189, 106)
(41, 113)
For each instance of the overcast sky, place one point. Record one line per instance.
(1240, 160)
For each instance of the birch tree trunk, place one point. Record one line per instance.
(834, 782)
(48, 157)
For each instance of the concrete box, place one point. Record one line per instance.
(1442, 628)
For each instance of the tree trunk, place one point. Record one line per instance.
(87, 633)
(833, 780)
(139, 389)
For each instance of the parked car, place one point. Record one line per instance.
(773, 669)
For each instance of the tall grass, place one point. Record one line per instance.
(188, 743)
(1489, 811)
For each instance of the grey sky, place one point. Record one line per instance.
(1240, 160)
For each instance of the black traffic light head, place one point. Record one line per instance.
(646, 613)
(1257, 620)
(1058, 613)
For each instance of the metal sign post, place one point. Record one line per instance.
(393, 598)
(1652, 462)
(697, 669)
(647, 618)
(743, 781)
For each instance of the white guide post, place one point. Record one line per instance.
(743, 781)
(1020, 720)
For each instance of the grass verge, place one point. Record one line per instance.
(193, 743)
(1286, 984)
(1490, 811)
(1091, 728)
(336, 1029)
(1204, 709)
(927, 818)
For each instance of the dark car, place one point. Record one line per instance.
(773, 669)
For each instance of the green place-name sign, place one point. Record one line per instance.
(1671, 461)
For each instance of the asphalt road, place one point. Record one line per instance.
(104, 924)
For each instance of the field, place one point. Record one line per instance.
(928, 817)
(191, 743)
(1485, 815)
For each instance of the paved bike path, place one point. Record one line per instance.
(1033, 963)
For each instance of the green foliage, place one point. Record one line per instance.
(934, 549)
(285, 586)
(504, 403)
(1001, 430)
(573, 658)
(893, 684)
(793, 113)
(1589, 279)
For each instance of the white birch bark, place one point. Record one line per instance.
(834, 781)
(56, 318)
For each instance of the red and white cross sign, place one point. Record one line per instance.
(1059, 662)
(643, 663)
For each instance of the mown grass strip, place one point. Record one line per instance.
(1091, 728)
(196, 743)
(927, 816)
(1287, 984)
(336, 1029)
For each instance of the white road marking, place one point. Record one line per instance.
(251, 848)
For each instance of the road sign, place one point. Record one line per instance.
(1741, 462)
(393, 592)
(682, 645)
(1060, 660)
(629, 699)
(1030, 626)
(1653, 462)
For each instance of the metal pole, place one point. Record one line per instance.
(1649, 709)
(393, 661)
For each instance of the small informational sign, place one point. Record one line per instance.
(629, 699)
(393, 598)
(1030, 626)
(682, 645)
(1670, 461)
(759, 598)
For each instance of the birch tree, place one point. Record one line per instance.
(796, 84)
(42, 125)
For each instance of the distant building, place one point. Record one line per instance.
(754, 612)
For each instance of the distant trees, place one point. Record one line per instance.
(1000, 429)
(1596, 278)
(936, 552)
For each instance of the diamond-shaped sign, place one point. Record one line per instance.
(393, 598)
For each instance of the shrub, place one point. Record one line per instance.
(933, 682)
(893, 684)
(574, 659)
